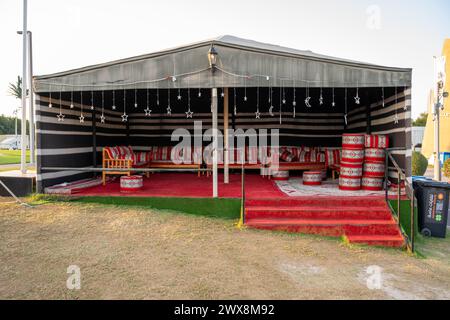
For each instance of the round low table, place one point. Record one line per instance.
(312, 178)
(130, 183)
(281, 175)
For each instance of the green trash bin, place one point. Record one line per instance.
(433, 200)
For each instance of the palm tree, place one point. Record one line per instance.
(15, 89)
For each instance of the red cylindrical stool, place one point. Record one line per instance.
(353, 141)
(349, 183)
(374, 154)
(372, 184)
(282, 175)
(312, 178)
(130, 183)
(351, 170)
(352, 156)
(374, 169)
(376, 141)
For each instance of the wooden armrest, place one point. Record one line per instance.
(117, 163)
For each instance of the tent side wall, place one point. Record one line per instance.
(382, 120)
(69, 143)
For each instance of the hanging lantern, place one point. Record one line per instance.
(212, 58)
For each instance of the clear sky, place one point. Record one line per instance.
(74, 33)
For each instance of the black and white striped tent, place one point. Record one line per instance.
(244, 68)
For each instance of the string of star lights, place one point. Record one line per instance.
(171, 79)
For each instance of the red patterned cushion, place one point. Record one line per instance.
(320, 157)
(286, 156)
(112, 153)
(332, 157)
(304, 157)
(141, 157)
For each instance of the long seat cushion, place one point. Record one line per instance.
(175, 155)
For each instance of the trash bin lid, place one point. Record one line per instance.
(431, 184)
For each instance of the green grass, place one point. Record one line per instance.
(405, 216)
(217, 208)
(11, 156)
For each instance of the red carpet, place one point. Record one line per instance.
(365, 220)
(189, 185)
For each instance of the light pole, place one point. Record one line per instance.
(439, 105)
(31, 94)
(23, 140)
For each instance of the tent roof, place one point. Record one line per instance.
(239, 59)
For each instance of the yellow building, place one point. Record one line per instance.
(428, 139)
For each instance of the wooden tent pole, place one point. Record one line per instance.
(215, 142)
(226, 177)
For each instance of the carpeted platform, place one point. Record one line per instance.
(189, 185)
(294, 187)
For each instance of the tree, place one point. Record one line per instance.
(421, 120)
(15, 89)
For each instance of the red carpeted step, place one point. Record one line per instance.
(319, 201)
(339, 226)
(378, 240)
(307, 212)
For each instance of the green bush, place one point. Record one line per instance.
(446, 168)
(419, 164)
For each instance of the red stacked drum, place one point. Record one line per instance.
(374, 154)
(374, 162)
(282, 175)
(351, 161)
(130, 183)
(374, 169)
(353, 141)
(372, 184)
(352, 156)
(376, 141)
(312, 178)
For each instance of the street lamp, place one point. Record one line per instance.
(30, 94)
(212, 58)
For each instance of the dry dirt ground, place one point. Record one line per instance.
(145, 254)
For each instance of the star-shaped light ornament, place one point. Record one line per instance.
(199, 94)
(113, 107)
(189, 114)
(396, 118)
(179, 96)
(71, 106)
(124, 117)
(257, 114)
(148, 112)
(245, 98)
(307, 102)
(222, 94)
(135, 105)
(60, 117)
(50, 105)
(284, 101)
(357, 99)
(81, 118)
(271, 111)
(169, 110)
(333, 104)
(92, 107)
(320, 100)
(102, 118)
